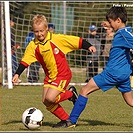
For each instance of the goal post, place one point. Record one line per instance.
(6, 14)
(72, 18)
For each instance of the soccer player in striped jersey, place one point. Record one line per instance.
(49, 50)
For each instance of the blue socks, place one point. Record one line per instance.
(78, 108)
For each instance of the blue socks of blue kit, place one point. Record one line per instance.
(78, 108)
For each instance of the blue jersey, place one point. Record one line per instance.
(119, 59)
(118, 69)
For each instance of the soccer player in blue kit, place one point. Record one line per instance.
(117, 71)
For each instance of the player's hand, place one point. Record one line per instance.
(92, 49)
(15, 78)
(105, 24)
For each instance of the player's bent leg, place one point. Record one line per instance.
(49, 100)
(58, 111)
(49, 95)
(67, 94)
(128, 97)
(89, 88)
(79, 105)
(81, 102)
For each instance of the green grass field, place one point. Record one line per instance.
(104, 112)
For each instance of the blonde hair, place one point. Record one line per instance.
(38, 19)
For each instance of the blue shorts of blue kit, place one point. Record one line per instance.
(106, 81)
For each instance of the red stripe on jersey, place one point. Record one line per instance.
(80, 43)
(61, 62)
(40, 59)
(24, 63)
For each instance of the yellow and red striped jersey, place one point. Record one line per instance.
(51, 53)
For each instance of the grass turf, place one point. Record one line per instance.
(104, 111)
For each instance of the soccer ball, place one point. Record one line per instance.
(32, 118)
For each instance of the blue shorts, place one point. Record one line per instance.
(106, 81)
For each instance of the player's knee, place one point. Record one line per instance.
(130, 103)
(50, 99)
(84, 91)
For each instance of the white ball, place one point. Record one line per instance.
(32, 118)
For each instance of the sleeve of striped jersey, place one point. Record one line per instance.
(85, 44)
(29, 54)
(21, 68)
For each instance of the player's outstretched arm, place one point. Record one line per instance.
(20, 69)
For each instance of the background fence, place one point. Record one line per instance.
(72, 18)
